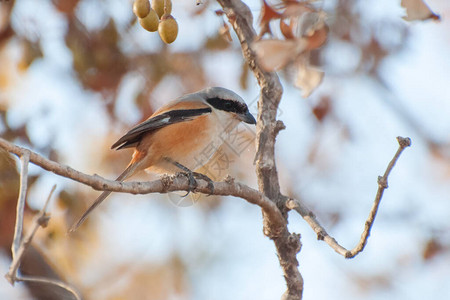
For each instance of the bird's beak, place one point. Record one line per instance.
(247, 118)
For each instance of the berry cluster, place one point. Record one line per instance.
(157, 17)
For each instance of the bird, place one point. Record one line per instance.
(181, 136)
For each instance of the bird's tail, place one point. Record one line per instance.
(125, 174)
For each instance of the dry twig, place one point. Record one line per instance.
(20, 244)
(322, 234)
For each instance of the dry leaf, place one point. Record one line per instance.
(268, 13)
(273, 55)
(318, 38)
(286, 30)
(308, 77)
(432, 248)
(418, 10)
(310, 22)
(296, 9)
(322, 109)
(304, 29)
(311, 26)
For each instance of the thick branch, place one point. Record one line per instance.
(241, 18)
(287, 245)
(309, 217)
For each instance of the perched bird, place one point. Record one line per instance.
(182, 136)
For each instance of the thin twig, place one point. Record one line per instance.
(63, 285)
(309, 217)
(24, 160)
(39, 220)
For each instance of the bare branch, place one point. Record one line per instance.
(63, 285)
(24, 160)
(164, 185)
(309, 217)
(287, 244)
(39, 220)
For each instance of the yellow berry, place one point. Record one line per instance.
(168, 29)
(150, 22)
(158, 6)
(141, 8)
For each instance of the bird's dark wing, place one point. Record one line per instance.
(132, 137)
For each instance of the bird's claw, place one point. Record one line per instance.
(192, 178)
(207, 179)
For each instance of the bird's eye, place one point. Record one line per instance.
(228, 105)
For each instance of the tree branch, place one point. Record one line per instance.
(58, 283)
(166, 184)
(310, 218)
(18, 229)
(267, 128)
(21, 245)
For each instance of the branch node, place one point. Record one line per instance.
(321, 235)
(294, 242)
(308, 216)
(229, 179)
(43, 220)
(166, 181)
(279, 125)
(404, 142)
(382, 182)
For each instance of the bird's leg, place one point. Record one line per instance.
(207, 179)
(192, 177)
(189, 174)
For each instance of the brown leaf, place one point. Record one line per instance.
(286, 30)
(216, 42)
(310, 22)
(310, 25)
(418, 10)
(322, 109)
(432, 248)
(318, 38)
(308, 77)
(274, 54)
(267, 15)
(66, 6)
(296, 9)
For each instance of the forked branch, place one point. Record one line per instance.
(322, 234)
(20, 245)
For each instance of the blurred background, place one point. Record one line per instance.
(77, 74)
